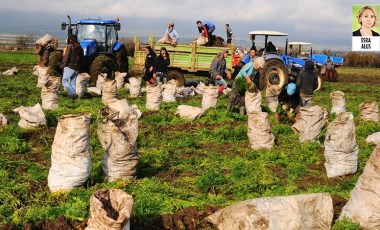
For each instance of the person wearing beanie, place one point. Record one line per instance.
(307, 82)
(289, 101)
(218, 70)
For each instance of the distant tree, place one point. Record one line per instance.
(24, 41)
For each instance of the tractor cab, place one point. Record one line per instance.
(275, 71)
(94, 35)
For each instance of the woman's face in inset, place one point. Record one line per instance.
(367, 18)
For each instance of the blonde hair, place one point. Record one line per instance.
(367, 8)
(259, 62)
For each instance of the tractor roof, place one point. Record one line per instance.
(300, 43)
(97, 21)
(267, 33)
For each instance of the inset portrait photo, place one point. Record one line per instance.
(365, 20)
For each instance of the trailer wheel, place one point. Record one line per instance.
(274, 73)
(102, 64)
(175, 74)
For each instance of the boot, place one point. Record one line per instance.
(242, 110)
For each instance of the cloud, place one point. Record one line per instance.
(318, 21)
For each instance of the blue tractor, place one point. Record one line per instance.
(99, 39)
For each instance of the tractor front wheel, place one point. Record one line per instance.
(274, 73)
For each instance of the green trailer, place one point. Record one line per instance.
(188, 58)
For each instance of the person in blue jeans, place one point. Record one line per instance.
(206, 28)
(218, 70)
(72, 64)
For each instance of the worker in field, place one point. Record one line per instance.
(230, 34)
(248, 73)
(72, 64)
(289, 101)
(307, 82)
(330, 74)
(219, 71)
(206, 28)
(150, 59)
(171, 35)
(161, 66)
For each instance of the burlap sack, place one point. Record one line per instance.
(110, 209)
(165, 39)
(31, 117)
(100, 80)
(134, 86)
(3, 120)
(313, 118)
(341, 148)
(49, 93)
(201, 40)
(259, 131)
(46, 39)
(120, 79)
(302, 212)
(209, 96)
(189, 112)
(252, 101)
(10, 72)
(369, 111)
(169, 91)
(153, 97)
(81, 84)
(109, 93)
(364, 203)
(338, 102)
(70, 157)
(373, 138)
(34, 70)
(118, 136)
(42, 73)
(124, 108)
(272, 92)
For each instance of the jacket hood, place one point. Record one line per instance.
(309, 65)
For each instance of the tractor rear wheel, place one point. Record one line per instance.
(175, 74)
(102, 64)
(274, 73)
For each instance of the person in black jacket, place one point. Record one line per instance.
(367, 18)
(161, 66)
(149, 66)
(307, 82)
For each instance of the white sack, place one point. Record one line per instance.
(209, 96)
(3, 120)
(120, 79)
(338, 102)
(81, 84)
(313, 118)
(374, 138)
(189, 112)
(259, 131)
(364, 203)
(341, 148)
(49, 93)
(272, 92)
(42, 73)
(11, 71)
(134, 86)
(153, 97)
(369, 111)
(109, 93)
(252, 102)
(111, 209)
(31, 117)
(169, 91)
(70, 157)
(299, 212)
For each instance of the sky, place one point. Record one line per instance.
(327, 24)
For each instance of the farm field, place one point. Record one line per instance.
(186, 168)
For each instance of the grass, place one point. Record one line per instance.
(204, 162)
